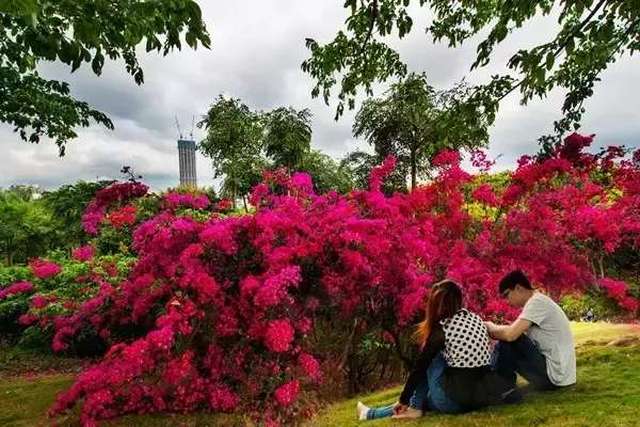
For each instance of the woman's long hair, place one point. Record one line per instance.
(445, 300)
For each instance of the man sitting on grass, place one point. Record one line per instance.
(539, 344)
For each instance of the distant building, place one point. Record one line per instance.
(187, 158)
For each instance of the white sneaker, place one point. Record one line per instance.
(362, 410)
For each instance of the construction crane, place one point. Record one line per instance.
(178, 127)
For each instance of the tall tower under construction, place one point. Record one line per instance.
(187, 158)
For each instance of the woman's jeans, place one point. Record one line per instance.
(428, 394)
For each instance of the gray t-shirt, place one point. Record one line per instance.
(551, 332)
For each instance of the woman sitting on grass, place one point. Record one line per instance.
(452, 373)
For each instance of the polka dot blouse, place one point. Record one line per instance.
(467, 343)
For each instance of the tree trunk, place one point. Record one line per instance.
(593, 267)
(408, 363)
(234, 194)
(413, 169)
(601, 264)
(347, 348)
(244, 202)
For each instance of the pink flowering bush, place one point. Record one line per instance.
(310, 366)
(287, 393)
(484, 194)
(43, 269)
(227, 310)
(83, 253)
(56, 312)
(173, 200)
(44, 305)
(15, 289)
(122, 217)
(279, 335)
(113, 195)
(619, 292)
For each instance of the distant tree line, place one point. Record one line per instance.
(412, 121)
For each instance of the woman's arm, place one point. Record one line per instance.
(434, 345)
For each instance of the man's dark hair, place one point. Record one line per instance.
(516, 277)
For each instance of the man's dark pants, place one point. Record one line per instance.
(522, 356)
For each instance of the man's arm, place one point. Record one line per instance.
(508, 332)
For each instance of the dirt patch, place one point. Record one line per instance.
(20, 363)
(626, 341)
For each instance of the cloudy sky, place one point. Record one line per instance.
(258, 47)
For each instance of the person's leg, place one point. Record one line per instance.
(437, 398)
(531, 364)
(523, 357)
(380, 412)
(416, 403)
(505, 363)
(387, 411)
(419, 397)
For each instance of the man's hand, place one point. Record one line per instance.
(399, 408)
(491, 328)
(508, 333)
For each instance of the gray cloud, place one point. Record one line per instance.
(257, 51)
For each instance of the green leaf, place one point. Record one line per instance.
(19, 7)
(97, 63)
(550, 60)
(191, 39)
(74, 32)
(570, 45)
(68, 52)
(86, 32)
(352, 67)
(500, 32)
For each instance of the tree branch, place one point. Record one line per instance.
(562, 45)
(348, 345)
(374, 15)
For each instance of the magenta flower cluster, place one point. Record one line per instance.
(83, 253)
(115, 194)
(43, 269)
(15, 289)
(174, 201)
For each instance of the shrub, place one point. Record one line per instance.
(12, 307)
(218, 312)
(576, 306)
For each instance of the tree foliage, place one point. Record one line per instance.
(359, 165)
(244, 143)
(234, 144)
(79, 32)
(27, 228)
(67, 204)
(33, 223)
(591, 35)
(287, 136)
(413, 122)
(326, 173)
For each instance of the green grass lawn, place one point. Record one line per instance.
(607, 394)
